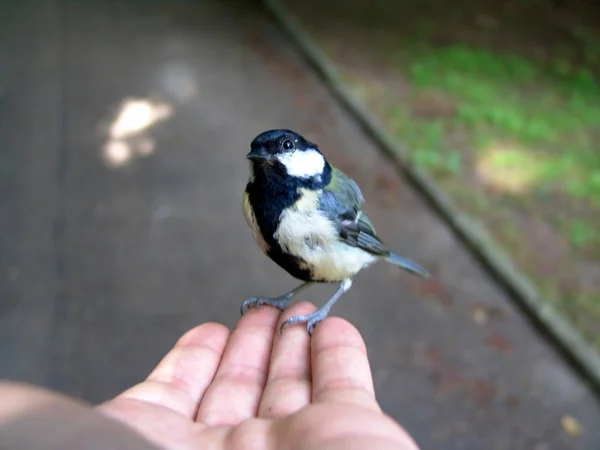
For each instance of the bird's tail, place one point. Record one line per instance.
(407, 265)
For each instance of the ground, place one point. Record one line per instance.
(499, 102)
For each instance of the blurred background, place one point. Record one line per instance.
(123, 131)
(499, 102)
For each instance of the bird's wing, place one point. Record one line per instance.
(342, 202)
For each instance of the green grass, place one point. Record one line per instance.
(546, 111)
(532, 132)
(581, 234)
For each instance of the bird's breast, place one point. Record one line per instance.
(307, 233)
(303, 227)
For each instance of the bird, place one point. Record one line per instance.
(308, 217)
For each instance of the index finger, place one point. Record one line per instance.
(341, 371)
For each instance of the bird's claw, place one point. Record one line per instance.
(256, 302)
(311, 321)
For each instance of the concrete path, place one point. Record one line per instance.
(123, 130)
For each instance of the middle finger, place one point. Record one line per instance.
(288, 386)
(238, 384)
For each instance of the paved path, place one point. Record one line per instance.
(117, 235)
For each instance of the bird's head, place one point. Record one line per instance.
(288, 156)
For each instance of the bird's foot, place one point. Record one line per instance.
(311, 320)
(256, 302)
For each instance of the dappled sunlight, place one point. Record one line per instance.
(508, 167)
(137, 115)
(127, 136)
(177, 80)
(117, 152)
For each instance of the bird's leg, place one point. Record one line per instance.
(278, 302)
(320, 314)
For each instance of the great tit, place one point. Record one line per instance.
(307, 216)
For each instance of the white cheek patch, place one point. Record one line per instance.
(304, 164)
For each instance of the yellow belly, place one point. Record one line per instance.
(251, 221)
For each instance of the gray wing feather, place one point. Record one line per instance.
(342, 201)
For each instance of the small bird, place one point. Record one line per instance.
(307, 216)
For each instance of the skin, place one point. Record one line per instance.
(252, 388)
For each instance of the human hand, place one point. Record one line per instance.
(255, 388)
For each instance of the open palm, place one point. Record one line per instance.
(255, 388)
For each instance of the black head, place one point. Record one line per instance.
(288, 156)
(276, 142)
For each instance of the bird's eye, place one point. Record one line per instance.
(287, 144)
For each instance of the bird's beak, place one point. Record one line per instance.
(259, 155)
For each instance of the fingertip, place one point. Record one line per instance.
(341, 368)
(288, 387)
(264, 315)
(335, 331)
(211, 334)
(297, 309)
(302, 306)
(238, 384)
(183, 375)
